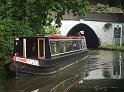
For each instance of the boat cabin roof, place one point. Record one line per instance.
(55, 36)
(64, 37)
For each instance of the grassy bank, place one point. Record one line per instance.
(113, 48)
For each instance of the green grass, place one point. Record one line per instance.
(111, 47)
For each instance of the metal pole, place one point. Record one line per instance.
(120, 27)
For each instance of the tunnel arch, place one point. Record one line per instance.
(91, 38)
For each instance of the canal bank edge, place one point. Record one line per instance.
(112, 48)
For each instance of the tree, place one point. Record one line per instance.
(28, 18)
(38, 13)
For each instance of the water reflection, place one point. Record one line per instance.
(118, 65)
(107, 66)
(102, 72)
(59, 82)
(105, 72)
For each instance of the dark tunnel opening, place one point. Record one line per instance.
(91, 38)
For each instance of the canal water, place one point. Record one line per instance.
(101, 71)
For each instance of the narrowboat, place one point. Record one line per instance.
(44, 55)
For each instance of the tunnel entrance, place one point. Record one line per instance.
(91, 38)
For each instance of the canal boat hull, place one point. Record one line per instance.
(50, 66)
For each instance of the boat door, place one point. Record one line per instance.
(30, 48)
(41, 48)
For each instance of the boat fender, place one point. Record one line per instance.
(13, 67)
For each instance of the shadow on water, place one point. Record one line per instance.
(104, 73)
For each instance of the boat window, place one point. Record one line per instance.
(76, 45)
(31, 48)
(69, 46)
(62, 47)
(58, 47)
(53, 47)
(83, 42)
(18, 48)
(41, 48)
(65, 45)
(80, 44)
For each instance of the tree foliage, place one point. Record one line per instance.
(111, 3)
(28, 18)
(105, 8)
(40, 12)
